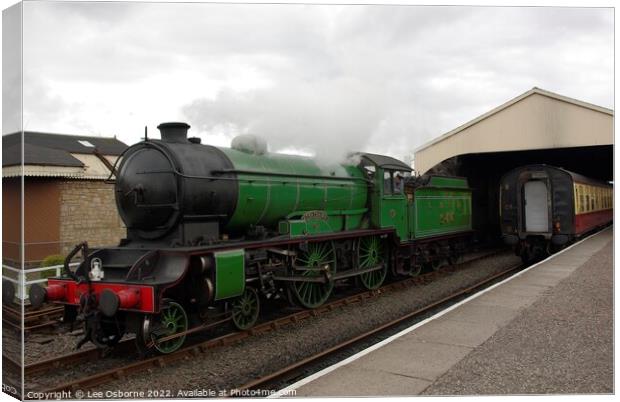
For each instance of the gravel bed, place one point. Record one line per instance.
(46, 345)
(11, 382)
(42, 344)
(226, 368)
(563, 343)
(12, 348)
(11, 342)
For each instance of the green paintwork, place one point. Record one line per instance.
(440, 210)
(172, 320)
(245, 309)
(393, 214)
(297, 197)
(229, 273)
(318, 256)
(272, 186)
(451, 182)
(388, 210)
(372, 252)
(317, 222)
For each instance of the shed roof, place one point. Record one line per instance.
(511, 102)
(534, 120)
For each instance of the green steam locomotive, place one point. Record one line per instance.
(212, 233)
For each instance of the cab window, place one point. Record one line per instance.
(387, 182)
(370, 171)
(393, 182)
(399, 183)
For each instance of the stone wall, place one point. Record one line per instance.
(88, 213)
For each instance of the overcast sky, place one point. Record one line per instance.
(323, 79)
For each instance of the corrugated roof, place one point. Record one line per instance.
(46, 171)
(92, 169)
(511, 102)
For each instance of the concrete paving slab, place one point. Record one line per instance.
(562, 344)
(583, 253)
(550, 279)
(482, 314)
(570, 260)
(452, 332)
(505, 300)
(548, 271)
(423, 360)
(547, 275)
(524, 290)
(553, 267)
(355, 381)
(539, 278)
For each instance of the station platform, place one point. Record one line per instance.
(548, 330)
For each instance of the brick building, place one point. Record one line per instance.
(67, 198)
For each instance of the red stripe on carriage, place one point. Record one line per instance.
(588, 221)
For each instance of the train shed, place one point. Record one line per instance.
(537, 126)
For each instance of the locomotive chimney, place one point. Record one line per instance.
(174, 132)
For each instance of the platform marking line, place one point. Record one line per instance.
(286, 391)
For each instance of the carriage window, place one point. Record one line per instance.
(577, 203)
(587, 208)
(595, 199)
(606, 199)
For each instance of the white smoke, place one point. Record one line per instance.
(328, 119)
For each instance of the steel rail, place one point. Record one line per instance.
(31, 320)
(293, 370)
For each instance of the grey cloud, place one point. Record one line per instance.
(378, 78)
(400, 56)
(11, 70)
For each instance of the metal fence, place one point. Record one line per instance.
(21, 282)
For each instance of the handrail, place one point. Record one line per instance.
(21, 282)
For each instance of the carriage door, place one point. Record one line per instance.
(536, 206)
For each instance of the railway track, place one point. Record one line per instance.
(33, 320)
(298, 369)
(193, 350)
